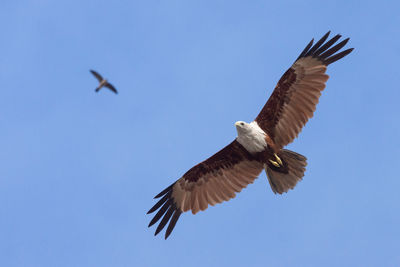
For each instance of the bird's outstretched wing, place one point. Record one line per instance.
(213, 181)
(296, 95)
(111, 87)
(98, 76)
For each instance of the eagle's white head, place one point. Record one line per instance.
(242, 127)
(251, 136)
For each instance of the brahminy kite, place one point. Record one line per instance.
(259, 144)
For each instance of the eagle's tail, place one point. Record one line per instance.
(285, 170)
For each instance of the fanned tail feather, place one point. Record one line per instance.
(286, 177)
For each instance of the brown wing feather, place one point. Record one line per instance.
(212, 181)
(296, 95)
(111, 87)
(98, 76)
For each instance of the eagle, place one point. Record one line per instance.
(259, 145)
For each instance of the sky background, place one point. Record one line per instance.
(79, 170)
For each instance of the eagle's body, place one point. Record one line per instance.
(259, 144)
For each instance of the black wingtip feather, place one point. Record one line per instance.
(325, 52)
(167, 211)
(318, 44)
(160, 212)
(172, 223)
(334, 49)
(338, 56)
(327, 45)
(166, 190)
(164, 220)
(159, 203)
(302, 54)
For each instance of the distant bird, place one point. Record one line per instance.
(259, 144)
(103, 82)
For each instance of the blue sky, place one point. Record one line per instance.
(78, 170)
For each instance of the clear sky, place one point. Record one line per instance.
(78, 170)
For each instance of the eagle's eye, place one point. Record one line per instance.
(242, 123)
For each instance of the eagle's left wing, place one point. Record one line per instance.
(212, 181)
(296, 95)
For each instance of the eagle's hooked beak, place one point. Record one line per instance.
(239, 124)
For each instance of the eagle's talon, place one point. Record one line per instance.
(278, 159)
(276, 164)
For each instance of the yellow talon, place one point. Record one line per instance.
(276, 164)
(278, 159)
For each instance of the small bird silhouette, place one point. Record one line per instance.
(103, 82)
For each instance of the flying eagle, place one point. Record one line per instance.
(103, 82)
(259, 144)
